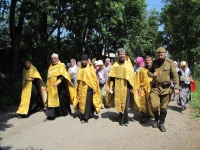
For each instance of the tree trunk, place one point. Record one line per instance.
(15, 34)
(15, 56)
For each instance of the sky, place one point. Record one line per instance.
(155, 4)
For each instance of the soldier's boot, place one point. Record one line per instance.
(155, 122)
(162, 121)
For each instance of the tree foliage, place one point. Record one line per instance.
(181, 19)
(70, 28)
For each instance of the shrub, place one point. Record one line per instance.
(196, 100)
(9, 93)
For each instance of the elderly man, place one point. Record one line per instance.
(108, 65)
(145, 84)
(87, 93)
(121, 82)
(34, 94)
(60, 89)
(162, 71)
(143, 81)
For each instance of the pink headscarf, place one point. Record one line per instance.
(140, 61)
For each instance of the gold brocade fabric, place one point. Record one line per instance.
(31, 73)
(123, 73)
(86, 77)
(53, 72)
(144, 81)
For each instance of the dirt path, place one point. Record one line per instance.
(101, 133)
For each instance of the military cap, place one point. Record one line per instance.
(161, 50)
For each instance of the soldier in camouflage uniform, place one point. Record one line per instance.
(162, 71)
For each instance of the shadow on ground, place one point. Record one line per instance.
(77, 114)
(4, 118)
(4, 147)
(175, 108)
(137, 117)
(114, 116)
(30, 148)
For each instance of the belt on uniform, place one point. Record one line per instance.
(164, 85)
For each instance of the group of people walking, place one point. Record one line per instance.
(143, 85)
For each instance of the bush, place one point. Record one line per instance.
(196, 99)
(9, 93)
(196, 72)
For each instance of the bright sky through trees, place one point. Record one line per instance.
(155, 4)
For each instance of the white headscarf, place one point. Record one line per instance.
(176, 64)
(186, 74)
(73, 70)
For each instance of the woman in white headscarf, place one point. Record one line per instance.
(176, 64)
(73, 71)
(184, 85)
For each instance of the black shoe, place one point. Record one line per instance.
(70, 113)
(162, 127)
(44, 110)
(84, 121)
(133, 119)
(50, 118)
(19, 116)
(143, 119)
(155, 124)
(122, 124)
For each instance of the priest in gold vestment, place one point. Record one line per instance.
(60, 90)
(143, 80)
(33, 97)
(121, 84)
(87, 97)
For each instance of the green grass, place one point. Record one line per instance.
(196, 100)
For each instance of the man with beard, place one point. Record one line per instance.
(60, 89)
(121, 81)
(34, 94)
(108, 65)
(87, 97)
(162, 71)
(143, 81)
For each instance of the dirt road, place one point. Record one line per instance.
(101, 133)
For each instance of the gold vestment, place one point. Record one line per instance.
(144, 82)
(31, 73)
(53, 72)
(123, 73)
(86, 76)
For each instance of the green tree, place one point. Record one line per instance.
(144, 40)
(181, 19)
